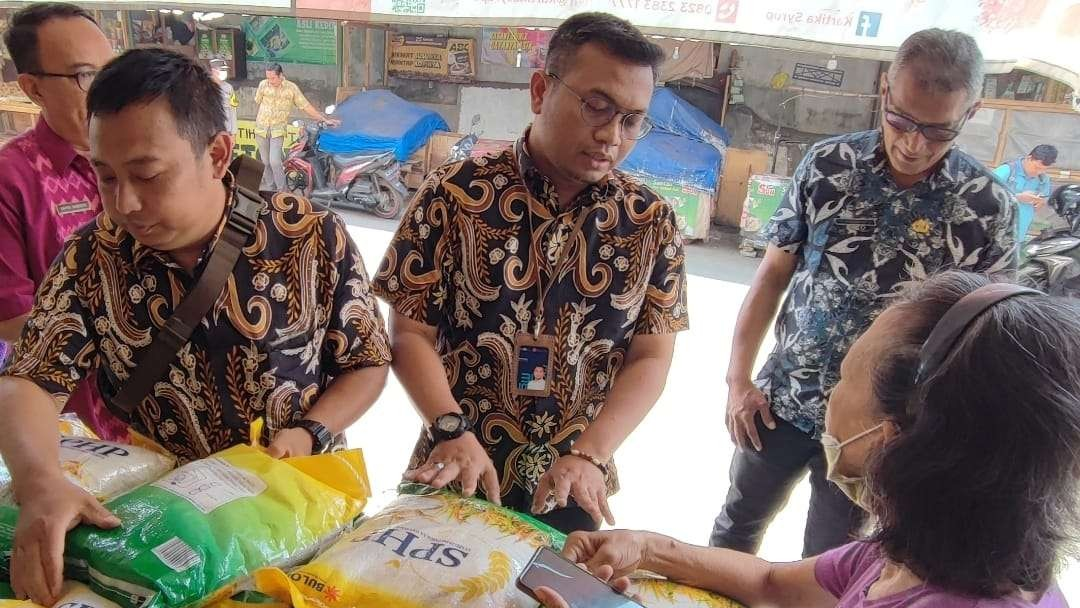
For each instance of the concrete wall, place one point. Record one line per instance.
(804, 111)
(822, 114)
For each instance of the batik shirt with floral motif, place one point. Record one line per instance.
(297, 312)
(858, 236)
(468, 259)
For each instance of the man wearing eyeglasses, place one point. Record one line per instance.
(866, 212)
(542, 256)
(47, 187)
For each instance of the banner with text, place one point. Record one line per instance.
(432, 57)
(515, 46)
(290, 40)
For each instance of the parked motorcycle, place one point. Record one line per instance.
(363, 182)
(1052, 259)
(464, 146)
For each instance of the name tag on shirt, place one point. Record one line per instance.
(73, 208)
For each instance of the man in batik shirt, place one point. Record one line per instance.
(542, 257)
(294, 337)
(865, 213)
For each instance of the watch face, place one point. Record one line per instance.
(448, 424)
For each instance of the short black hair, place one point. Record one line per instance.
(618, 37)
(1045, 153)
(21, 38)
(275, 68)
(145, 75)
(979, 492)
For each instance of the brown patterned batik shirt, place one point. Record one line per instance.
(467, 259)
(297, 311)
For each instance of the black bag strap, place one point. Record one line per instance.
(154, 362)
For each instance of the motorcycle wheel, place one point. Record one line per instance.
(296, 181)
(390, 204)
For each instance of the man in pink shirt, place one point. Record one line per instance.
(47, 188)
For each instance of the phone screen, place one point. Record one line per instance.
(579, 588)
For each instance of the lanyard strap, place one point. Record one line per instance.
(560, 257)
(556, 268)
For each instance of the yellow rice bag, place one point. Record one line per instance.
(437, 549)
(103, 468)
(660, 593)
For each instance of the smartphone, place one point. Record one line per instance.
(579, 588)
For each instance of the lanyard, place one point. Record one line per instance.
(560, 255)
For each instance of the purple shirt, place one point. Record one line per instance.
(47, 191)
(848, 572)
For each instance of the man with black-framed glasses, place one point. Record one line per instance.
(865, 213)
(536, 293)
(47, 187)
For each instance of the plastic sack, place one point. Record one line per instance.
(73, 426)
(102, 468)
(189, 537)
(660, 593)
(74, 595)
(432, 549)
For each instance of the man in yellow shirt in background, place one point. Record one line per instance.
(276, 98)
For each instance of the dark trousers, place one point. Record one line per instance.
(571, 519)
(761, 483)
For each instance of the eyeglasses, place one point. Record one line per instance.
(597, 111)
(82, 79)
(931, 132)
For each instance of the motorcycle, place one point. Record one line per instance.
(464, 146)
(1052, 259)
(363, 182)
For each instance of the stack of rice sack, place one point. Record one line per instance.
(188, 538)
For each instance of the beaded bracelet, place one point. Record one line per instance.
(593, 459)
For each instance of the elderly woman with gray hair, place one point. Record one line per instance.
(956, 423)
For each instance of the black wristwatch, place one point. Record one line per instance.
(448, 427)
(320, 435)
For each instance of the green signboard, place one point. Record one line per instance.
(291, 40)
(764, 194)
(693, 206)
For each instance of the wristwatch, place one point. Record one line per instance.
(320, 435)
(448, 427)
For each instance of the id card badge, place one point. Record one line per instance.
(532, 376)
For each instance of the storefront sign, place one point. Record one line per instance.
(515, 46)
(432, 57)
(290, 40)
(1044, 30)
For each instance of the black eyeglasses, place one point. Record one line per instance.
(932, 132)
(597, 111)
(82, 79)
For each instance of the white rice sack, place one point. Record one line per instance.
(437, 549)
(103, 468)
(660, 593)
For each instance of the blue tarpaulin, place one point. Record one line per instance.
(379, 121)
(685, 147)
